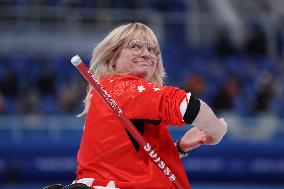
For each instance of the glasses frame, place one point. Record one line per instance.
(145, 44)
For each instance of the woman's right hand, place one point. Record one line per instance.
(193, 138)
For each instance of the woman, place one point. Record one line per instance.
(128, 64)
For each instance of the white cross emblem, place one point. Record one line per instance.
(141, 88)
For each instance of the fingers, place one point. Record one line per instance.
(202, 135)
(201, 142)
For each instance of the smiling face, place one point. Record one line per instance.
(138, 58)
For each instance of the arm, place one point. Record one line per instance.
(199, 114)
(207, 121)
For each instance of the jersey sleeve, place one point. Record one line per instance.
(139, 99)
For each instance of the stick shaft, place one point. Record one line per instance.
(127, 123)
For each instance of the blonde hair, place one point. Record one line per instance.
(105, 53)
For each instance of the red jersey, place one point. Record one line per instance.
(109, 153)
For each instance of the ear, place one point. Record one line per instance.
(113, 60)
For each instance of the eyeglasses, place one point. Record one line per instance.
(137, 47)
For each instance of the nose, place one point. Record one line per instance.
(145, 53)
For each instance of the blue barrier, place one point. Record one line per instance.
(48, 155)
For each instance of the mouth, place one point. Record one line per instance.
(145, 64)
(142, 63)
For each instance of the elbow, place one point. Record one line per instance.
(219, 133)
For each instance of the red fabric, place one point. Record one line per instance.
(106, 151)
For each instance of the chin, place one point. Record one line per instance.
(142, 75)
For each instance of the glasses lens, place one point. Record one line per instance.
(136, 47)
